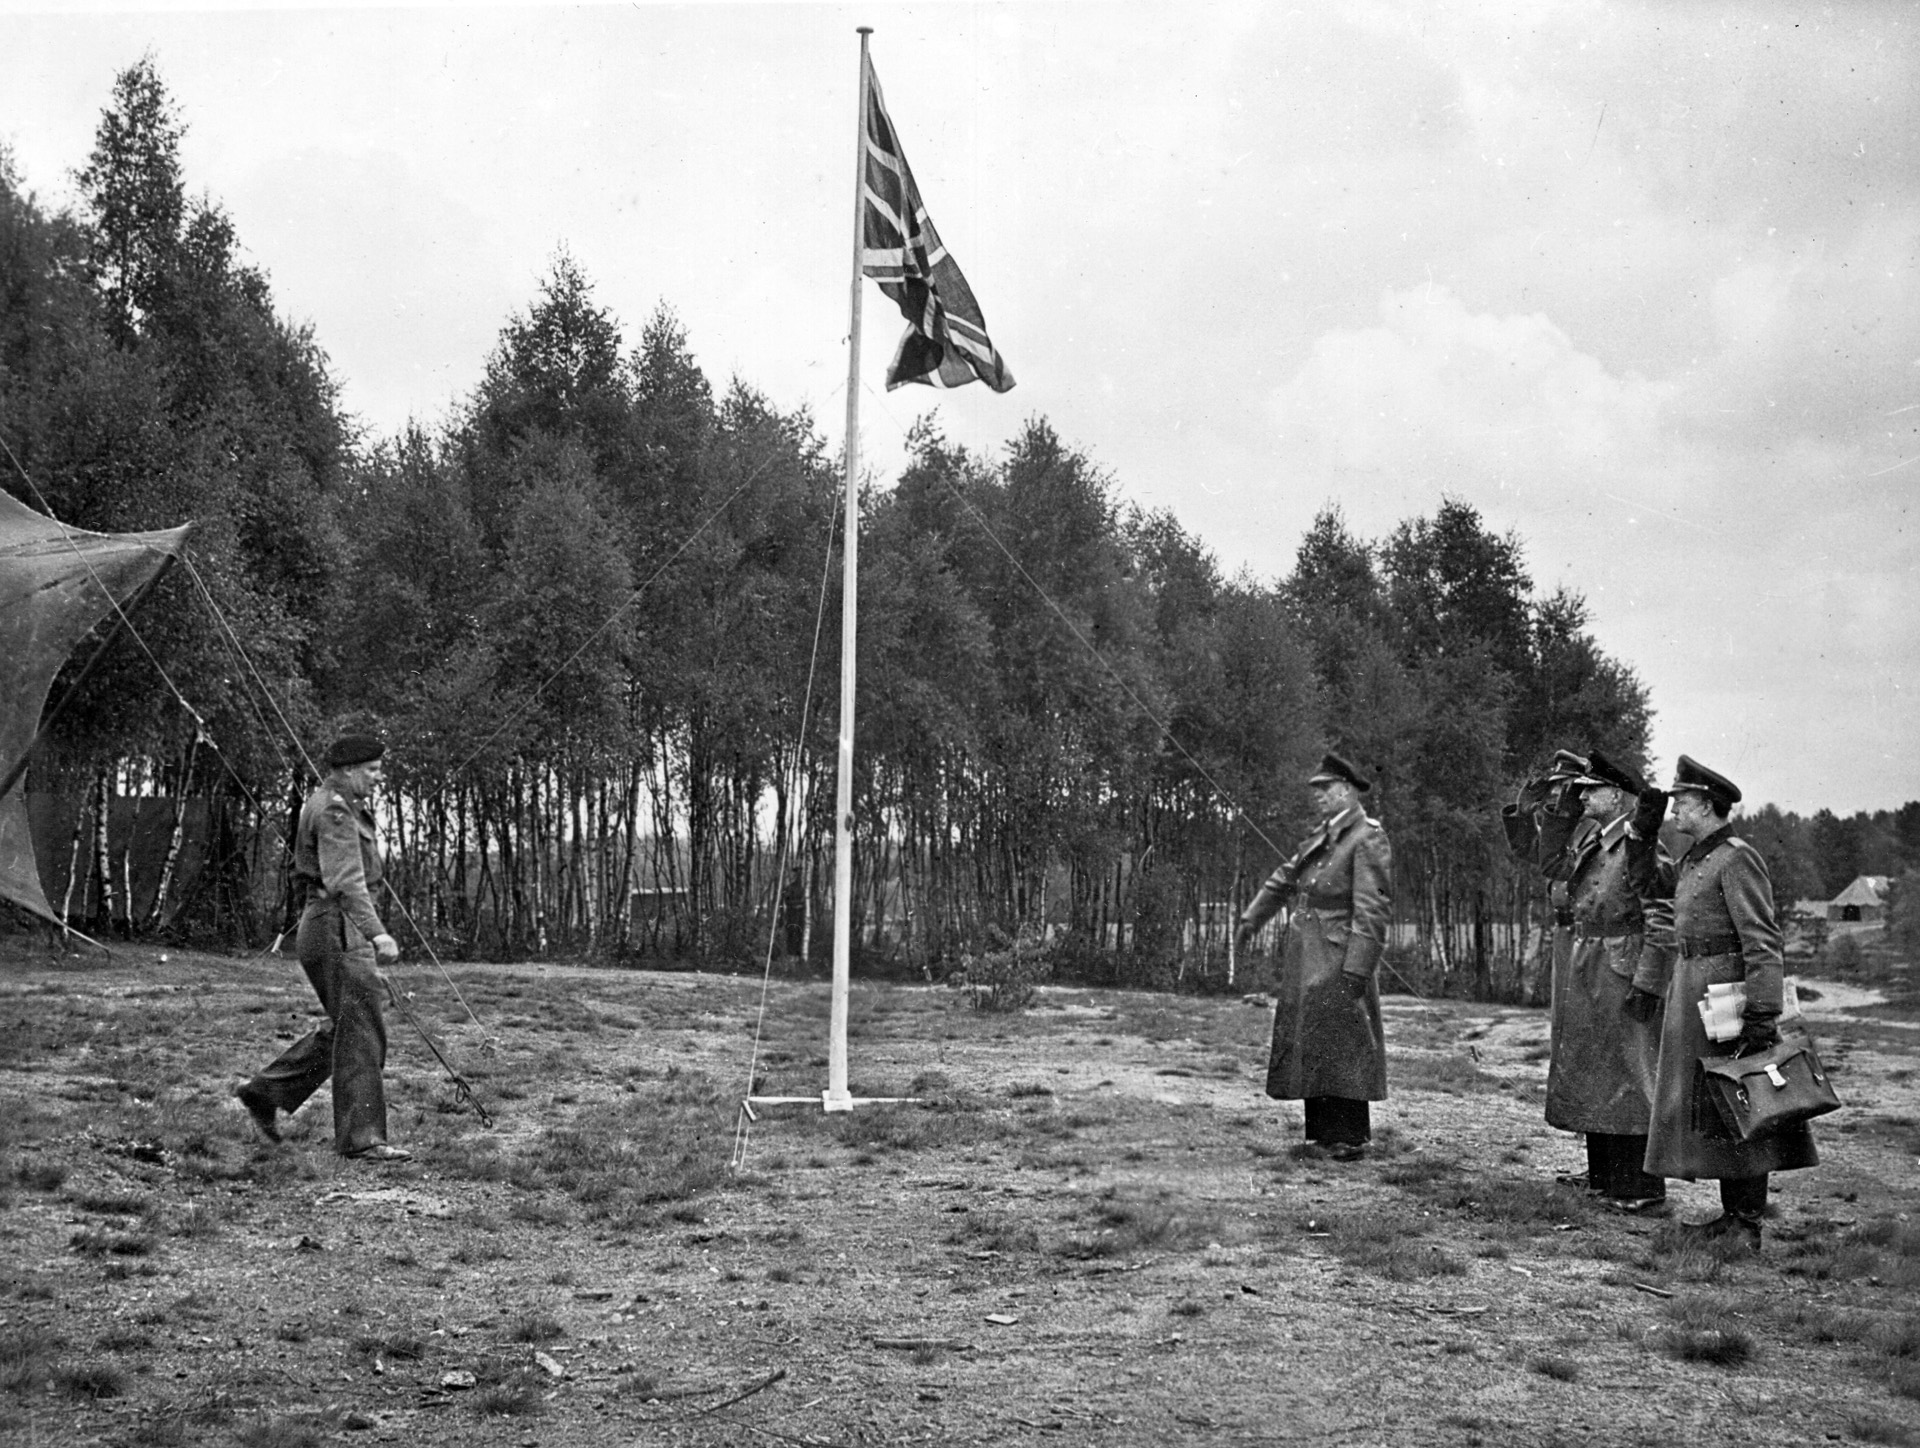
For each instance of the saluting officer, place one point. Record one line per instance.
(336, 861)
(1546, 828)
(1723, 929)
(1607, 990)
(1328, 1046)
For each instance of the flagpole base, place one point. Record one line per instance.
(827, 1101)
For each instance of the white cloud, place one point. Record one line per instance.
(1438, 390)
(1769, 595)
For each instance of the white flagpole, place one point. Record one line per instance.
(836, 1097)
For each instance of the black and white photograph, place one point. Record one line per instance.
(959, 723)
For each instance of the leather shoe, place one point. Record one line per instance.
(1639, 1206)
(261, 1111)
(380, 1151)
(1346, 1151)
(1742, 1230)
(1579, 1181)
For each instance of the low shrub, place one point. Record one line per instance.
(1726, 1347)
(1007, 974)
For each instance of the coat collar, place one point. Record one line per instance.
(1615, 831)
(1707, 844)
(1344, 821)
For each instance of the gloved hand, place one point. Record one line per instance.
(1757, 1033)
(1356, 985)
(1642, 1005)
(386, 947)
(1242, 936)
(1523, 833)
(1648, 814)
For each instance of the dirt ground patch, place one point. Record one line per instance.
(1090, 1228)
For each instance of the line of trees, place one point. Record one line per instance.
(1815, 857)
(586, 610)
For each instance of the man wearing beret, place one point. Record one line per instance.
(1328, 1046)
(1607, 991)
(336, 862)
(1721, 926)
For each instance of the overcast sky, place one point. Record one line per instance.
(1637, 282)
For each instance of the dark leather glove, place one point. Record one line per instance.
(1642, 1005)
(1356, 986)
(1523, 834)
(1757, 1033)
(1242, 935)
(1556, 837)
(1648, 814)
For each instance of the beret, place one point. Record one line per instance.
(352, 749)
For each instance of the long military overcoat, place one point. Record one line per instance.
(1722, 927)
(1601, 1074)
(1327, 1042)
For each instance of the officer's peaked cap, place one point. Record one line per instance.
(1602, 770)
(1566, 765)
(1333, 769)
(1689, 773)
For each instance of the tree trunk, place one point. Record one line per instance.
(73, 869)
(102, 858)
(176, 836)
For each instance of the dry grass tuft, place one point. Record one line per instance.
(1389, 1242)
(1450, 1074)
(1877, 1428)
(168, 1424)
(983, 1231)
(1124, 1228)
(1726, 1347)
(533, 1325)
(23, 1362)
(90, 1380)
(515, 1396)
(1419, 1170)
(264, 1430)
(41, 1176)
(400, 1345)
(92, 1242)
(113, 1204)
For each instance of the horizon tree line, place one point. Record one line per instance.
(585, 610)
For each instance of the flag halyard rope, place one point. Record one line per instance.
(743, 1123)
(1166, 729)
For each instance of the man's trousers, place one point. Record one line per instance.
(351, 1048)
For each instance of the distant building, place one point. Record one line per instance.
(1862, 902)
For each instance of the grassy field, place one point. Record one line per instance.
(1090, 1228)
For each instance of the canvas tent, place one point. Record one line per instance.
(56, 584)
(1864, 900)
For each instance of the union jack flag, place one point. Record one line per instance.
(946, 342)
